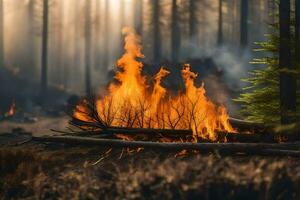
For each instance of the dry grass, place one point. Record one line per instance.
(144, 175)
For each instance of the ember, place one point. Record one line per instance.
(11, 111)
(132, 103)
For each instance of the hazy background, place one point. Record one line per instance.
(85, 33)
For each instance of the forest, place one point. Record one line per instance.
(149, 99)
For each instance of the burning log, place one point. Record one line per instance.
(135, 100)
(284, 149)
(125, 130)
(170, 132)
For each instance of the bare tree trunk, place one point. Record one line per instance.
(175, 32)
(87, 43)
(122, 25)
(244, 24)
(106, 36)
(297, 48)
(156, 32)
(193, 33)
(44, 70)
(31, 68)
(297, 21)
(97, 37)
(59, 53)
(1, 35)
(76, 41)
(287, 82)
(220, 23)
(138, 17)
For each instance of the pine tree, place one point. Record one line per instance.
(261, 99)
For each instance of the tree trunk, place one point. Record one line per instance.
(297, 48)
(156, 32)
(77, 42)
(1, 35)
(31, 68)
(44, 70)
(106, 36)
(297, 21)
(220, 23)
(87, 43)
(138, 16)
(62, 76)
(122, 25)
(97, 37)
(244, 24)
(175, 44)
(193, 33)
(287, 82)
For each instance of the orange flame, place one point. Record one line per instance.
(11, 111)
(133, 103)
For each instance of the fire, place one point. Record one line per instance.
(11, 111)
(133, 101)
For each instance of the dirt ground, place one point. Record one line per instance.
(41, 127)
(54, 171)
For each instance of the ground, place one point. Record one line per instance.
(51, 171)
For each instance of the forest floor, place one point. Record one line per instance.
(52, 171)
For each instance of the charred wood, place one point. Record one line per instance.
(255, 148)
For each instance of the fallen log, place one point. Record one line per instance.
(182, 132)
(281, 152)
(100, 128)
(248, 148)
(125, 130)
(258, 137)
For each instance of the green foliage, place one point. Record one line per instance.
(260, 100)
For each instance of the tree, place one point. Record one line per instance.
(287, 81)
(244, 24)
(262, 98)
(44, 70)
(156, 31)
(78, 33)
(122, 25)
(193, 31)
(87, 47)
(175, 32)
(31, 38)
(106, 34)
(138, 18)
(1, 35)
(297, 53)
(97, 36)
(62, 77)
(220, 23)
(297, 20)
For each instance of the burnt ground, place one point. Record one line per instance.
(53, 171)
